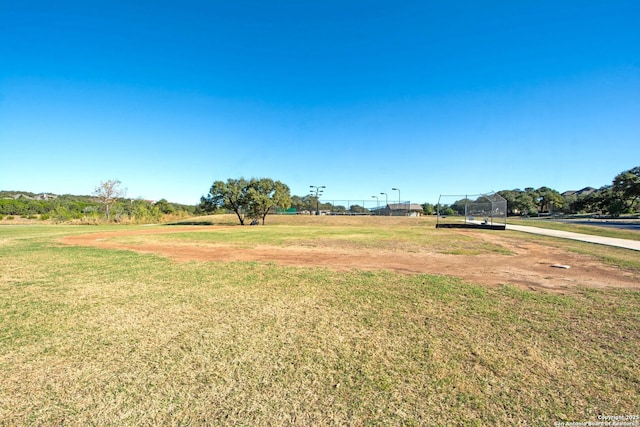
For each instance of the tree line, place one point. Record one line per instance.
(89, 209)
(255, 198)
(622, 196)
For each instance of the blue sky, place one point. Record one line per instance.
(431, 97)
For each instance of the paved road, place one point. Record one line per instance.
(610, 241)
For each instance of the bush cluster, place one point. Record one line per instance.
(87, 209)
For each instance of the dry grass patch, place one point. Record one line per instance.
(96, 336)
(382, 234)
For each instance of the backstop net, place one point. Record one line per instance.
(472, 211)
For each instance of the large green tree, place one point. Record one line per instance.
(252, 199)
(522, 202)
(230, 195)
(548, 199)
(627, 185)
(263, 195)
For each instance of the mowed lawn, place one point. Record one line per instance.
(106, 337)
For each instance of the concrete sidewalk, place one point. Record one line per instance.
(609, 241)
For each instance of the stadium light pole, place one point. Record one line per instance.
(386, 198)
(318, 190)
(398, 190)
(377, 203)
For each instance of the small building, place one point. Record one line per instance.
(399, 209)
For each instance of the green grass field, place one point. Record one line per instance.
(105, 337)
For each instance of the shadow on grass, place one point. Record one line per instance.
(192, 223)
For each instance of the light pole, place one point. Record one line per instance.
(318, 190)
(377, 204)
(386, 197)
(398, 190)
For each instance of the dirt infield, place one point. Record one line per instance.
(530, 265)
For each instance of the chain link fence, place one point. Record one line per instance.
(358, 207)
(474, 210)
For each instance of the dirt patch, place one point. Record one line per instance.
(530, 265)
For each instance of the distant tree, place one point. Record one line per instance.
(165, 207)
(230, 195)
(108, 192)
(459, 206)
(615, 207)
(522, 202)
(428, 209)
(13, 207)
(35, 207)
(263, 195)
(527, 201)
(302, 203)
(328, 207)
(314, 204)
(253, 199)
(142, 211)
(569, 202)
(548, 199)
(608, 201)
(510, 196)
(627, 185)
(63, 213)
(357, 209)
(583, 203)
(448, 211)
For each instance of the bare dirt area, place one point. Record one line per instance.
(529, 265)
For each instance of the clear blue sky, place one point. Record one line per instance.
(452, 97)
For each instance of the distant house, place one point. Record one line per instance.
(399, 209)
(584, 192)
(43, 196)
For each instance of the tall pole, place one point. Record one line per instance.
(377, 204)
(466, 203)
(398, 190)
(386, 198)
(318, 190)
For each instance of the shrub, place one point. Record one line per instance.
(62, 213)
